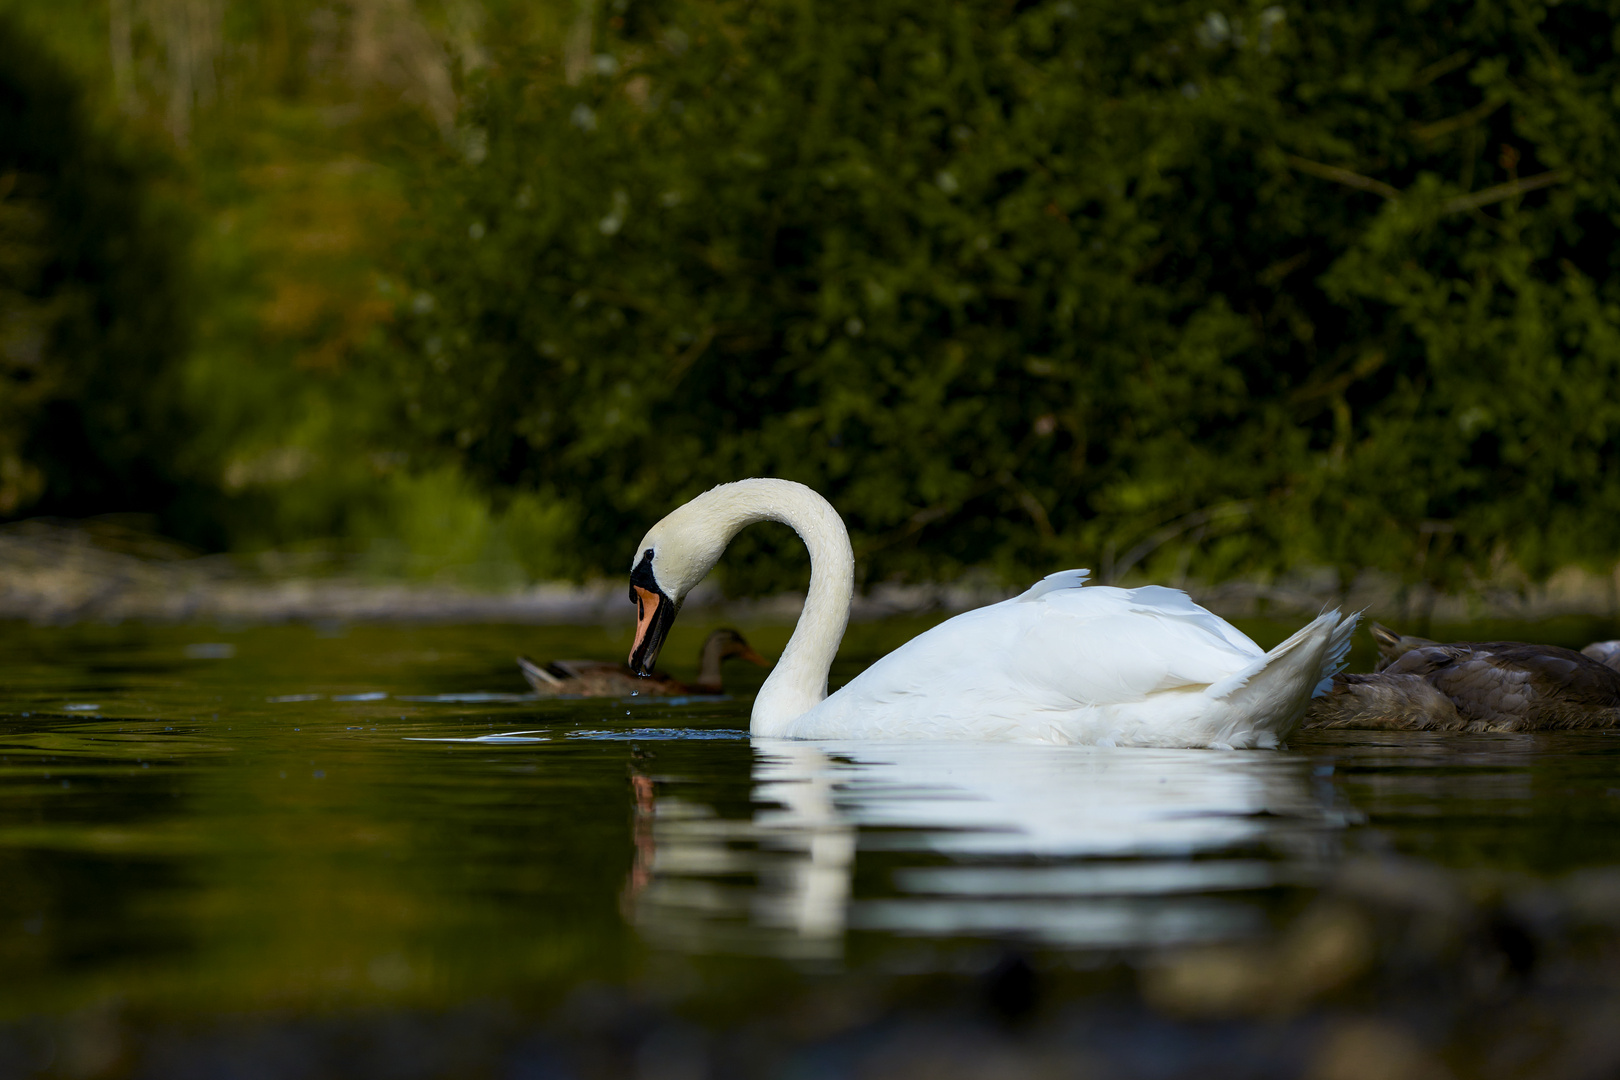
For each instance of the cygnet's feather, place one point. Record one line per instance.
(1606, 653)
(1472, 686)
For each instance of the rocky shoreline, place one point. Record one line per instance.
(56, 573)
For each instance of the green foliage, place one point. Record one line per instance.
(1139, 286)
(436, 525)
(283, 126)
(93, 304)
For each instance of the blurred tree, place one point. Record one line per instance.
(1144, 286)
(275, 133)
(93, 306)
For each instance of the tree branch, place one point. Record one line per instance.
(1342, 176)
(1440, 68)
(1430, 132)
(1502, 191)
(1338, 384)
(1457, 205)
(1026, 499)
(1194, 520)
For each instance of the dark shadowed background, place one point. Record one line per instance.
(481, 288)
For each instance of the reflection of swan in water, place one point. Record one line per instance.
(803, 851)
(1077, 845)
(811, 888)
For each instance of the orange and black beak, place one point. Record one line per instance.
(752, 657)
(655, 614)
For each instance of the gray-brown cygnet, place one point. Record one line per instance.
(1424, 685)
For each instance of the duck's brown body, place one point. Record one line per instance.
(1422, 685)
(599, 678)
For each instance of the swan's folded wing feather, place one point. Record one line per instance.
(1100, 660)
(1162, 623)
(1063, 579)
(1173, 603)
(1092, 646)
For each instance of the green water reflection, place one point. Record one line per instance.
(208, 818)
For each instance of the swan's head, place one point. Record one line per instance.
(671, 559)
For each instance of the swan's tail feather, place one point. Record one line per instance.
(1338, 653)
(1271, 694)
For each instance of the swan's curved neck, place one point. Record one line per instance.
(799, 681)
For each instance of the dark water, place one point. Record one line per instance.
(206, 821)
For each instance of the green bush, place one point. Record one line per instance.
(1140, 286)
(94, 316)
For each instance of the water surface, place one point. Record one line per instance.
(210, 819)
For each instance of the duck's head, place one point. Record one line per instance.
(733, 644)
(671, 559)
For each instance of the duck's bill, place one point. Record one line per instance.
(753, 657)
(655, 614)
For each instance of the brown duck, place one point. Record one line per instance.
(1423, 685)
(600, 678)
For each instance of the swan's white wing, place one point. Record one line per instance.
(1061, 649)
(1062, 588)
(1175, 604)
(1103, 646)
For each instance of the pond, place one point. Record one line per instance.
(321, 825)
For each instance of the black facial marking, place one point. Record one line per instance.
(642, 575)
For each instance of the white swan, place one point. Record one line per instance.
(1058, 664)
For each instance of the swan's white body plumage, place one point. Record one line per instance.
(1093, 665)
(1062, 663)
